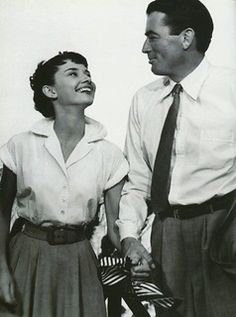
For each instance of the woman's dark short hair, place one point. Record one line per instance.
(44, 75)
(182, 14)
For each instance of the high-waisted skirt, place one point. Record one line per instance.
(55, 280)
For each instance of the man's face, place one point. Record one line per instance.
(164, 51)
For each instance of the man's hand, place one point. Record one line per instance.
(141, 260)
(7, 288)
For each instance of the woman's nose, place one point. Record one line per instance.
(86, 78)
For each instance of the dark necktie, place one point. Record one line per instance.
(161, 171)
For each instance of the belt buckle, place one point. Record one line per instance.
(57, 236)
(176, 213)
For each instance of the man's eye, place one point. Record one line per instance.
(73, 74)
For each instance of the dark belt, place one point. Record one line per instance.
(56, 235)
(196, 210)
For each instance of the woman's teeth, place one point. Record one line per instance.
(85, 89)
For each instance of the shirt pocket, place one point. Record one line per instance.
(217, 149)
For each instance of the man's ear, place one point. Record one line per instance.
(49, 91)
(187, 37)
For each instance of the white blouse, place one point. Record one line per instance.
(52, 190)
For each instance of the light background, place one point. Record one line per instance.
(110, 33)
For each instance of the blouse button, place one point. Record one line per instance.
(63, 212)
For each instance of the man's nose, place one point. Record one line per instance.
(146, 46)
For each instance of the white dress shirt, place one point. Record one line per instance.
(203, 161)
(52, 190)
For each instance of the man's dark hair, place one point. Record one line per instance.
(44, 75)
(182, 14)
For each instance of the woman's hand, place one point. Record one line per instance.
(141, 260)
(7, 287)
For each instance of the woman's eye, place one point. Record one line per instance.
(73, 74)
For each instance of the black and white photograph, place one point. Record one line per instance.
(118, 158)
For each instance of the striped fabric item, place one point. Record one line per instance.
(150, 292)
(146, 290)
(112, 276)
(166, 302)
(114, 270)
(112, 261)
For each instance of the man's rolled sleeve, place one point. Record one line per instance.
(136, 192)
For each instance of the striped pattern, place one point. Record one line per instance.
(111, 261)
(165, 302)
(112, 276)
(114, 270)
(150, 292)
(146, 290)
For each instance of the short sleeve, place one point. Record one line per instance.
(118, 167)
(7, 155)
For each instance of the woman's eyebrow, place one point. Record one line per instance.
(71, 69)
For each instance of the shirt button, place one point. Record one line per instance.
(62, 212)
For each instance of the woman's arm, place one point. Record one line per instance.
(112, 199)
(7, 196)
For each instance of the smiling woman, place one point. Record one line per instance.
(72, 86)
(57, 190)
(69, 69)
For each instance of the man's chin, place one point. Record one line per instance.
(156, 71)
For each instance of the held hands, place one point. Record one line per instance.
(7, 288)
(141, 260)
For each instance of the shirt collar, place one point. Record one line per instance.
(192, 83)
(94, 130)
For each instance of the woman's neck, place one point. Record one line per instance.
(69, 124)
(69, 128)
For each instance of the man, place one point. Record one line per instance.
(181, 145)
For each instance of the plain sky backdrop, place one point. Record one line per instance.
(110, 33)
